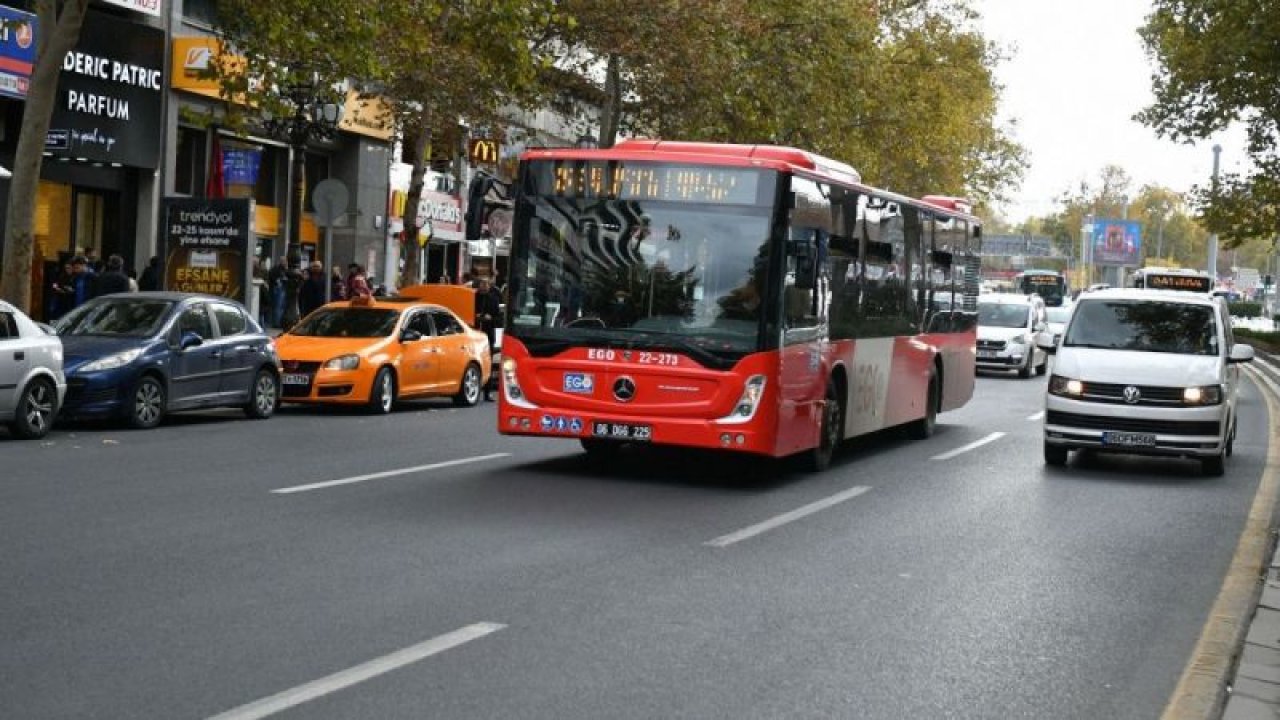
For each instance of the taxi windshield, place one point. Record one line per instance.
(348, 322)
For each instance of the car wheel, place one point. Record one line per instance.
(1043, 367)
(829, 434)
(1055, 455)
(1231, 441)
(1025, 371)
(264, 396)
(924, 427)
(470, 388)
(147, 407)
(382, 397)
(36, 409)
(1213, 466)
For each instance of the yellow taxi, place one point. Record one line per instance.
(375, 351)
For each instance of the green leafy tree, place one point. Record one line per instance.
(59, 31)
(1218, 62)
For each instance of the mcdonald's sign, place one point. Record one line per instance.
(483, 151)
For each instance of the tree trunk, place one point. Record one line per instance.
(413, 198)
(59, 32)
(611, 110)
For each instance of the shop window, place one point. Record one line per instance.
(204, 12)
(188, 177)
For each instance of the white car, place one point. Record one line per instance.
(1148, 372)
(1056, 320)
(32, 384)
(1007, 329)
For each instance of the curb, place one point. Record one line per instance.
(1253, 688)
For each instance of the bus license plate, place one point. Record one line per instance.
(1129, 439)
(296, 379)
(621, 431)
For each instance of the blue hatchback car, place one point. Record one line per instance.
(138, 356)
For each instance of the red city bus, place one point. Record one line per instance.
(758, 299)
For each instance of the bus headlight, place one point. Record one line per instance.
(511, 386)
(745, 408)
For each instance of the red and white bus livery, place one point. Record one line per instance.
(758, 299)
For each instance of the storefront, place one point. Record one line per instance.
(97, 193)
(442, 251)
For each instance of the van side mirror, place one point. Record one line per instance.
(1241, 353)
(1047, 342)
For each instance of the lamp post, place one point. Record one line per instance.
(1213, 238)
(313, 113)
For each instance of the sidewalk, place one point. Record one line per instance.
(1254, 687)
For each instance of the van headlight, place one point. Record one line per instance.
(1205, 395)
(343, 362)
(1066, 387)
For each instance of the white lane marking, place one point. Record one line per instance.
(784, 518)
(387, 474)
(358, 674)
(1035, 416)
(966, 448)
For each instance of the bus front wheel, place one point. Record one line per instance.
(829, 435)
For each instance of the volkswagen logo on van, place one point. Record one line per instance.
(624, 388)
(1132, 395)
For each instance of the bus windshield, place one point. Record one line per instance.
(1050, 286)
(659, 273)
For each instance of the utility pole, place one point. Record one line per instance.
(1213, 238)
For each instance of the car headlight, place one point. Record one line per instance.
(1059, 385)
(113, 361)
(343, 362)
(745, 408)
(1206, 395)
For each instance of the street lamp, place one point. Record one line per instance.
(312, 113)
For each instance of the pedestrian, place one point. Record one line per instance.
(81, 287)
(358, 284)
(113, 279)
(488, 306)
(337, 285)
(92, 261)
(263, 291)
(150, 279)
(275, 284)
(351, 276)
(133, 279)
(311, 296)
(61, 293)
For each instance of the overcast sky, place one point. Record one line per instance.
(1076, 76)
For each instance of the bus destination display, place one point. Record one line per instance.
(1194, 283)
(1043, 279)
(670, 183)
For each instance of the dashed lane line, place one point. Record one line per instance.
(358, 674)
(387, 474)
(971, 446)
(787, 517)
(1036, 416)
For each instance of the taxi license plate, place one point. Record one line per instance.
(296, 379)
(1129, 439)
(621, 431)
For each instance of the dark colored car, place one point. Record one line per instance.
(138, 356)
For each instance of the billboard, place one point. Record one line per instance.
(1117, 242)
(209, 246)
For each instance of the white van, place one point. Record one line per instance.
(1007, 329)
(1148, 372)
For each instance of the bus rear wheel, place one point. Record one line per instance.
(829, 435)
(923, 428)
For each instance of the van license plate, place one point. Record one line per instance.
(1128, 439)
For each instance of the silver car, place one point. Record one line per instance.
(32, 384)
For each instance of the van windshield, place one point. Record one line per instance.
(1144, 326)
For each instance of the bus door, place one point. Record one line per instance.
(801, 376)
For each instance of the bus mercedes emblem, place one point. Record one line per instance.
(624, 388)
(1132, 395)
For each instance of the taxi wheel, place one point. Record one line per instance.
(470, 388)
(382, 397)
(147, 407)
(264, 396)
(35, 410)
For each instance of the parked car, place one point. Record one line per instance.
(1147, 372)
(1008, 326)
(1056, 320)
(32, 384)
(375, 351)
(139, 356)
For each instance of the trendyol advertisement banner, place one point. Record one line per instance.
(209, 246)
(1117, 242)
